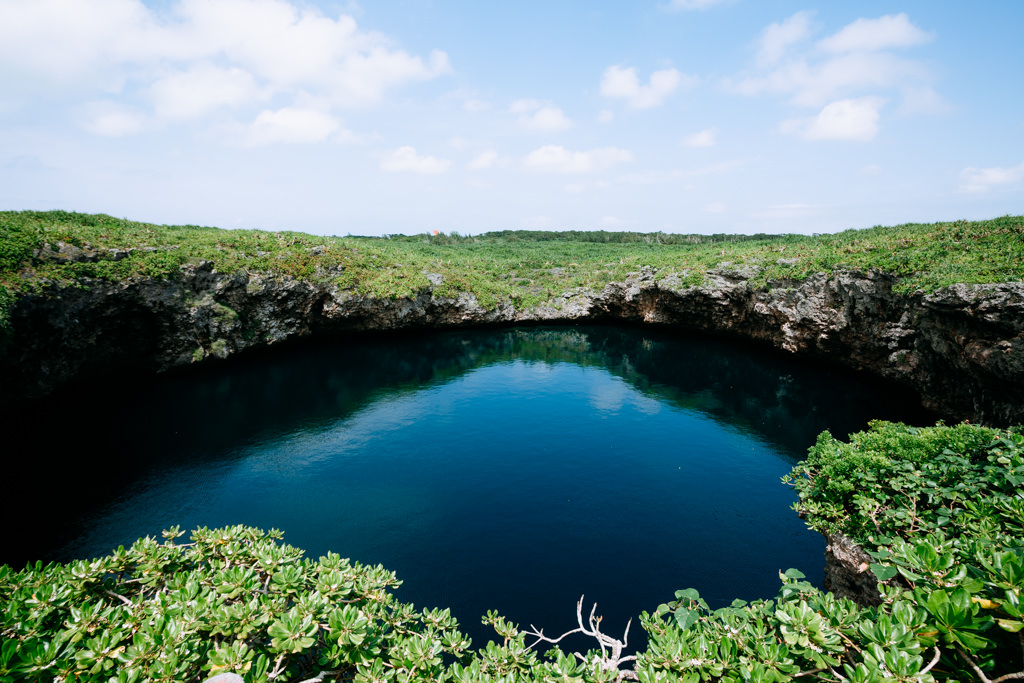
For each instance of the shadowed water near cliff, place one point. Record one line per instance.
(511, 470)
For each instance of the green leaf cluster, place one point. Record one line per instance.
(233, 599)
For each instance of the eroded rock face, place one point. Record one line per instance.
(961, 349)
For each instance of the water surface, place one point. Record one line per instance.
(511, 470)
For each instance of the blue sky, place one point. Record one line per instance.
(402, 116)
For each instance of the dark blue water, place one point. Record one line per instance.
(511, 470)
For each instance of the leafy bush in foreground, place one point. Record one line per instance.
(939, 509)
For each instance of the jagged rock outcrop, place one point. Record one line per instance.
(961, 349)
(848, 572)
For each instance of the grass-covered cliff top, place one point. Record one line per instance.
(525, 267)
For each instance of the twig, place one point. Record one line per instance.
(981, 674)
(811, 672)
(119, 597)
(935, 660)
(277, 668)
(970, 662)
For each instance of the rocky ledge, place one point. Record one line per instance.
(961, 349)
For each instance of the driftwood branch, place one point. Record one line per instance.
(981, 674)
(611, 648)
(935, 660)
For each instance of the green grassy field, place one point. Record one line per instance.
(523, 267)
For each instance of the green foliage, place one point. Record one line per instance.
(233, 599)
(521, 267)
(900, 480)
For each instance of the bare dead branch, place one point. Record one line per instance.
(119, 597)
(935, 660)
(607, 661)
(967, 658)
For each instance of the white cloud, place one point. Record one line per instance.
(696, 4)
(79, 36)
(605, 116)
(293, 48)
(812, 85)
(716, 207)
(191, 57)
(540, 117)
(557, 159)
(291, 125)
(705, 138)
(856, 61)
(406, 159)
(194, 93)
(776, 39)
(110, 119)
(851, 119)
(978, 180)
(574, 188)
(620, 83)
(891, 30)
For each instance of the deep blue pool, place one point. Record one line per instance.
(511, 470)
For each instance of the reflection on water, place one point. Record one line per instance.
(510, 470)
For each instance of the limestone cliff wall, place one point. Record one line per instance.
(961, 349)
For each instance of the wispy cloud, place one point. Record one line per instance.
(778, 38)
(111, 119)
(292, 125)
(557, 159)
(540, 116)
(889, 31)
(487, 159)
(705, 138)
(406, 159)
(623, 83)
(979, 180)
(853, 119)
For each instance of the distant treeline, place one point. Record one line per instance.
(599, 236)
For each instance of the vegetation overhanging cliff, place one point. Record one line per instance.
(938, 308)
